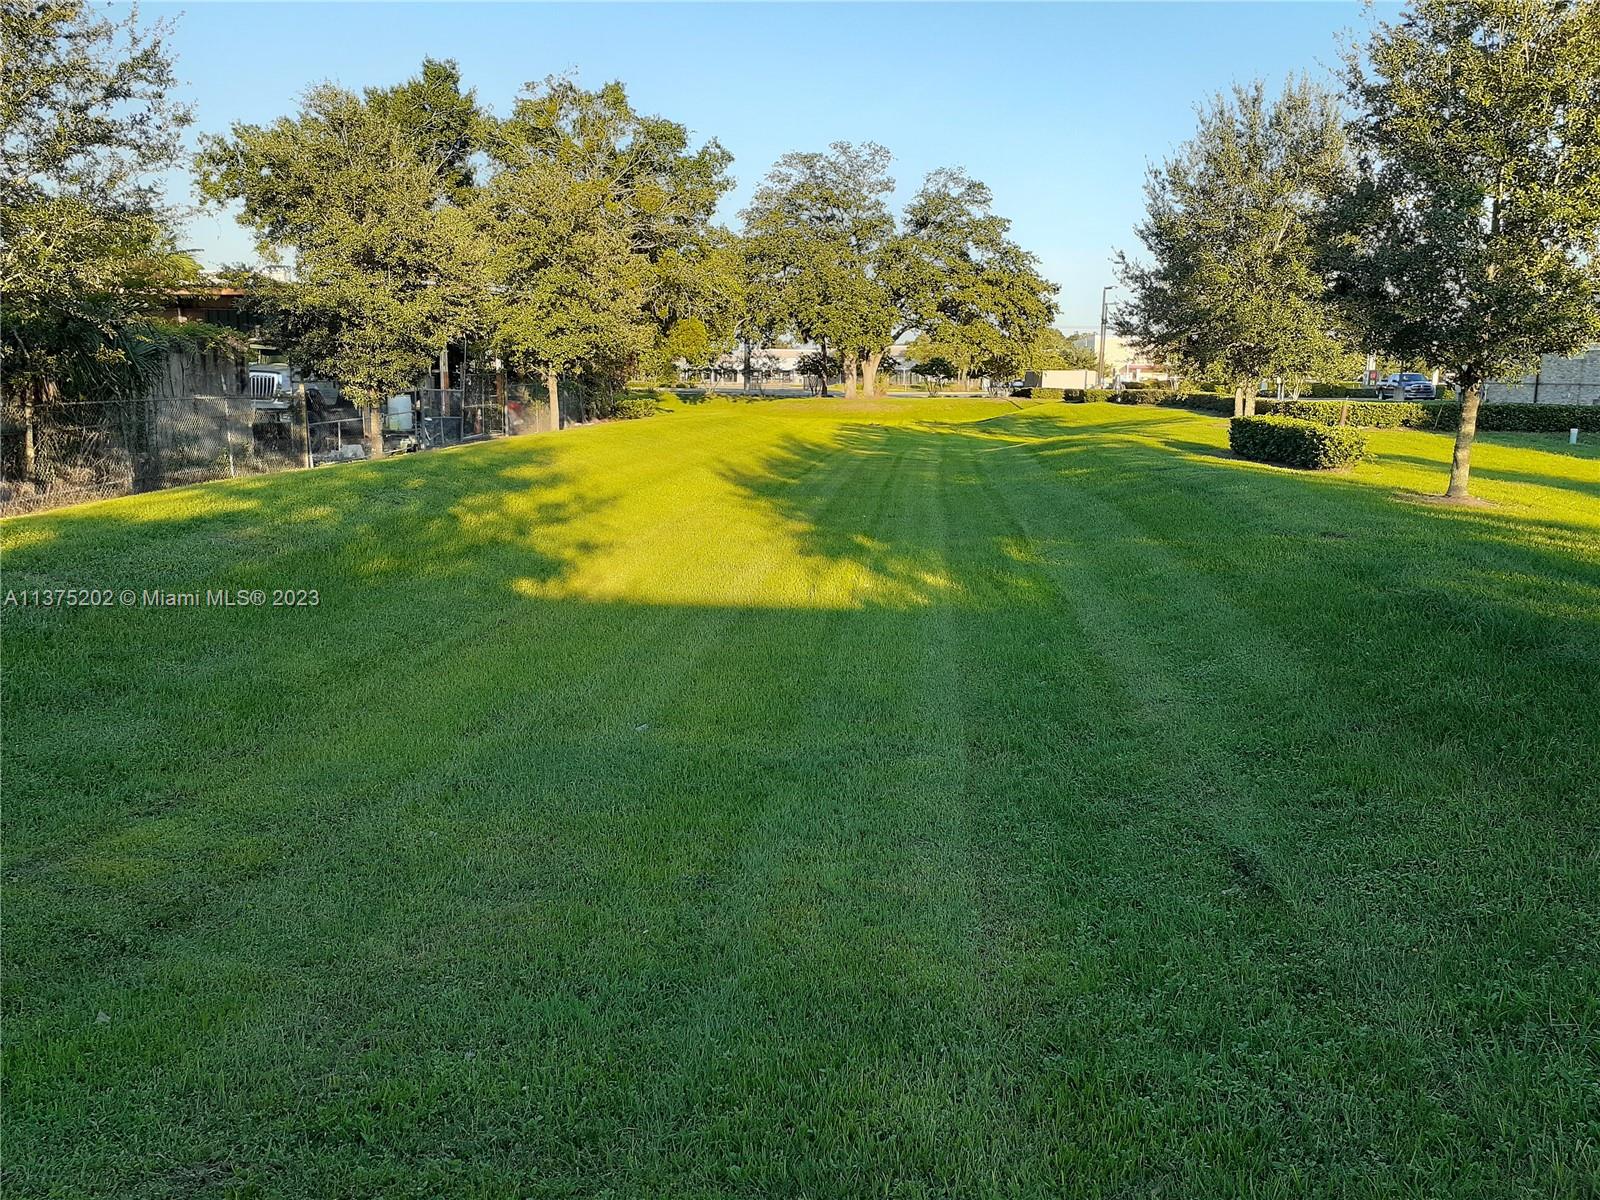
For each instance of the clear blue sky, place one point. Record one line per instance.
(1058, 107)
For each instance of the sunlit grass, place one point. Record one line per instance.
(815, 799)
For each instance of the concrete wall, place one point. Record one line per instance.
(1558, 381)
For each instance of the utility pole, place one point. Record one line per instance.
(1100, 368)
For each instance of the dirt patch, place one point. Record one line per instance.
(1444, 501)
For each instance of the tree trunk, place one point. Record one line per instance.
(30, 463)
(848, 367)
(1461, 459)
(1238, 400)
(552, 387)
(373, 419)
(869, 373)
(961, 382)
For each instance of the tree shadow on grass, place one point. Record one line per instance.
(1504, 474)
(1120, 751)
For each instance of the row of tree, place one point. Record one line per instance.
(574, 236)
(577, 237)
(1445, 210)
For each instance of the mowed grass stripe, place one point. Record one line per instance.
(1018, 810)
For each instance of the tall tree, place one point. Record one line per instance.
(567, 290)
(1055, 351)
(828, 254)
(86, 243)
(1232, 282)
(955, 273)
(660, 192)
(813, 231)
(1472, 236)
(364, 192)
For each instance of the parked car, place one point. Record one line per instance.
(1408, 385)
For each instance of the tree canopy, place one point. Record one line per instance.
(363, 192)
(1231, 279)
(1471, 235)
(87, 249)
(833, 265)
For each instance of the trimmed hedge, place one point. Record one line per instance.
(1338, 391)
(1517, 418)
(1293, 443)
(625, 406)
(1370, 414)
(1038, 393)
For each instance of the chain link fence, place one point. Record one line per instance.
(200, 422)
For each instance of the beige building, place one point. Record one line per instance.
(1558, 380)
(1124, 361)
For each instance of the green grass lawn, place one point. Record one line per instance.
(788, 798)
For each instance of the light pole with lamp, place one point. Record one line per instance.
(1100, 366)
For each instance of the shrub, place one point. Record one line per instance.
(1517, 418)
(1338, 391)
(623, 406)
(1303, 444)
(633, 405)
(1039, 393)
(1370, 414)
(1217, 402)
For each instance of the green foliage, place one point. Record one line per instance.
(976, 295)
(1302, 444)
(1213, 402)
(1055, 351)
(1518, 418)
(1039, 393)
(86, 247)
(566, 288)
(814, 230)
(624, 405)
(363, 190)
(658, 191)
(1232, 282)
(1372, 414)
(829, 263)
(1337, 391)
(1471, 236)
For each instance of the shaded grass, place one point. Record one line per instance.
(818, 800)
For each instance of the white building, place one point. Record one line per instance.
(1124, 361)
(779, 367)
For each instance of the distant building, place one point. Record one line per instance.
(1125, 363)
(778, 366)
(1059, 379)
(1558, 380)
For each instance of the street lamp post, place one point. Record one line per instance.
(1100, 366)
